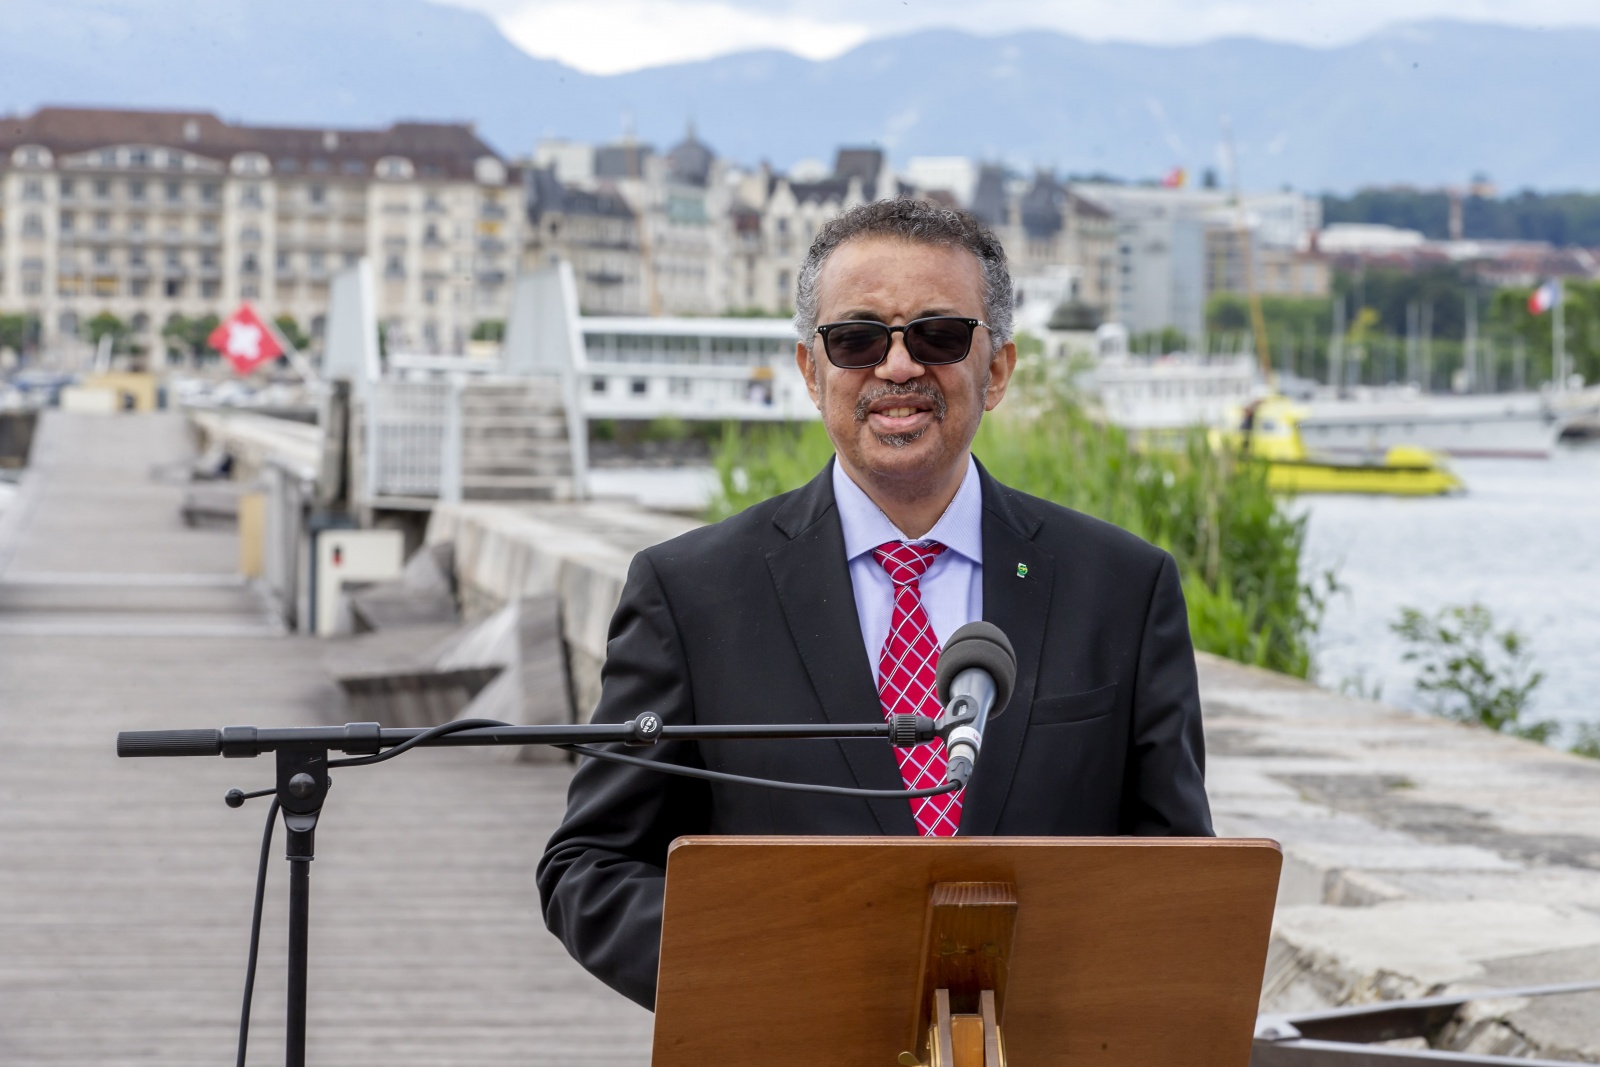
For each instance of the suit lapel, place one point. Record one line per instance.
(812, 579)
(1017, 580)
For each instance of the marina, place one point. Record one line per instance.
(126, 929)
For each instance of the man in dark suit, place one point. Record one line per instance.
(827, 604)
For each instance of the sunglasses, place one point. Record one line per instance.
(936, 341)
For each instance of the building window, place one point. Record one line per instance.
(250, 195)
(210, 289)
(32, 226)
(597, 386)
(102, 223)
(316, 261)
(394, 267)
(68, 188)
(135, 223)
(639, 386)
(139, 287)
(208, 226)
(32, 285)
(136, 190)
(250, 265)
(174, 258)
(250, 291)
(102, 257)
(33, 189)
(102, 190)
(208, 259)
(174, 192)
(174, 288)
(283, 261)
(67, 221)
(317, 194)
(136, 257)
(208, 192)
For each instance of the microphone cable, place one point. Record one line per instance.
(766, 783)
(255, 933)
(236, 798)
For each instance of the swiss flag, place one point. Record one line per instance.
(247, 341)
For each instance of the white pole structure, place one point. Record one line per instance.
(1558, 337)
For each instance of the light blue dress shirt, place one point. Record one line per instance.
(952, 586)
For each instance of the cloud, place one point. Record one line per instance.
(610, 36)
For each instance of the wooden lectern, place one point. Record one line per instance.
(963, 952)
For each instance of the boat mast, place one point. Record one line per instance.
(1258, 321)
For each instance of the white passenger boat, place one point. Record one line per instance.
(1170, 393)
(1512, 425)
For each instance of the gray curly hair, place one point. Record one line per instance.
(910, 220)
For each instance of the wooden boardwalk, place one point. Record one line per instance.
(125, 884)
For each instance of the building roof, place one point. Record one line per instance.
(863, 163)
(546, 195)
(1043, 207)
(445, 150)
(690, 161)
(989, 198)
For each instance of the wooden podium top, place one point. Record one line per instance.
(807, 950)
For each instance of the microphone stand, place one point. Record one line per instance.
(302, 782)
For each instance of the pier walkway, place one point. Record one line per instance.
(125, 885)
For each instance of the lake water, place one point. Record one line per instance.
(1522, 541)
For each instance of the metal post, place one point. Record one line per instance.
(299, 855)
(302, 786)
(450, 452)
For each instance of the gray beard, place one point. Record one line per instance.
(928, 392)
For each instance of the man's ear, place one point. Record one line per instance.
(808, 370)
(1001, 366)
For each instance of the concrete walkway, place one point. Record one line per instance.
(125, 884)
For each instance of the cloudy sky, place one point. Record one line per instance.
(608, 36)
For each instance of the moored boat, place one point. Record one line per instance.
(1269, 430)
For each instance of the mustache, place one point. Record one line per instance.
(927, 390)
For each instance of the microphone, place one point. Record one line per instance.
(977, 671)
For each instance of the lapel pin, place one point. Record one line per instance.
(1022, 570)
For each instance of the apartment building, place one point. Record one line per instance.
(152, 215)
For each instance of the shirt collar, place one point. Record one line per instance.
(959, 529)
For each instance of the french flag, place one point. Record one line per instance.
(1545, 297)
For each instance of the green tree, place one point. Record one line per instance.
(186, 337)
(489, 330)
(106, 324)
(1474, 672)
(1512, 321)
(19, 332)
(292, 332)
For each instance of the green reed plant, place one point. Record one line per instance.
(1237, 545)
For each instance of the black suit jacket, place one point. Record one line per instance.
(754, 620)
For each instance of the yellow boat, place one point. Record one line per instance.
(1269, 430)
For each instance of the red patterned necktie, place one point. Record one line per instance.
(907, 668)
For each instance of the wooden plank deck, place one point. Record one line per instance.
(125, 884)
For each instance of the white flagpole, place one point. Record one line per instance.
(1558, 336)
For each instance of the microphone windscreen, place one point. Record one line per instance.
(985, 646)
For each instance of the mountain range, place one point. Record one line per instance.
(1425, 103)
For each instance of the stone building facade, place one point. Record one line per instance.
(152, 215)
